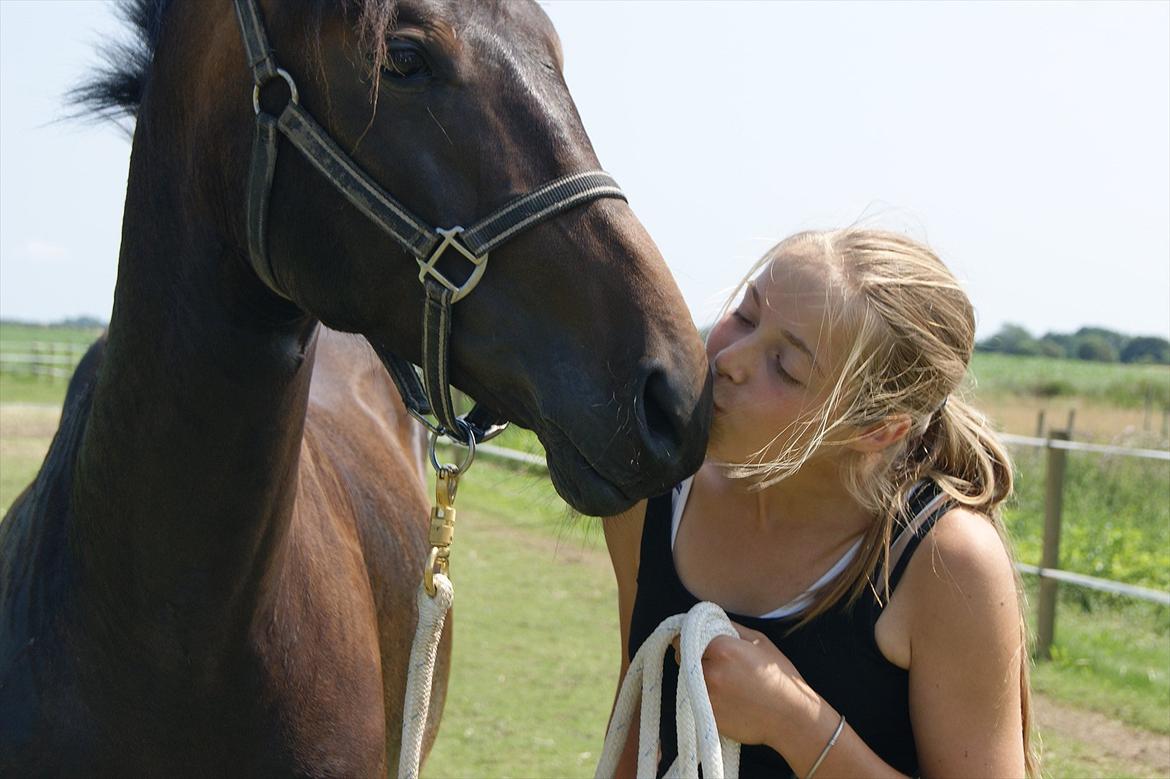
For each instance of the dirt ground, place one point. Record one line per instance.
(1110, 742)
(1093, 423)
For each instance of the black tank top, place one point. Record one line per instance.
(836, 653)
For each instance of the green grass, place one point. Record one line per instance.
(536, 647)
(1126, 386)
(1115, 517)
(536, 637)
(32, 389)
(1115, 661)
(63, 345)
(12, 333)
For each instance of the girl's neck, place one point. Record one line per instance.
(811, 502)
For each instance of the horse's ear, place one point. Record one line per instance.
(115, 90)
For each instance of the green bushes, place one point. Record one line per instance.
(1116, 517)
(1089, 343)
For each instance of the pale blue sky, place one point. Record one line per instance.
(1029, 144)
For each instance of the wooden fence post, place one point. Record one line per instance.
(1072, 418)
(1040, 423)
(1050, 556)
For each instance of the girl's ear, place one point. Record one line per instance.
(880, 435)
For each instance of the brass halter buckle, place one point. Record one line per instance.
(442, 526)
(451, 238)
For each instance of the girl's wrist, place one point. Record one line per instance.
(800, 732)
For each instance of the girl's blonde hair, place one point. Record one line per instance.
(913, 332)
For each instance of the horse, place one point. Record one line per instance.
(214, 571)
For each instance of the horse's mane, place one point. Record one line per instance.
(115, 90)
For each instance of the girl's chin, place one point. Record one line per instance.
(716, 438)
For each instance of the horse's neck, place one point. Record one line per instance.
(186, 477)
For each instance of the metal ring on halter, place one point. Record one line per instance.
(434, 428)
(469, 444)
(292, 88)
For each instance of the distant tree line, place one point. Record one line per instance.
(1088, 343)
(79, 322)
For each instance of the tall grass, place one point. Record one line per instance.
(1125, 386)
(1115, 517)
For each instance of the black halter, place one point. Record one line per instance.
(425, 243)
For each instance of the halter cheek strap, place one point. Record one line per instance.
(425, 243)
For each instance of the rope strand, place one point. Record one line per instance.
(699, 742)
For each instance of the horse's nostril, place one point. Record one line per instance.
(661, 423)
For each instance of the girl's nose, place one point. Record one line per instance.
(730, 363)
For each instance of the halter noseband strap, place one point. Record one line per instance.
(426, 244)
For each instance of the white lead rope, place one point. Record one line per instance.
(432, 613)
(699, 741)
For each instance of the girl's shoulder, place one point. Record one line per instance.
(965, 548)
(961, 578)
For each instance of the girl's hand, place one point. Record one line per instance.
(754, 688)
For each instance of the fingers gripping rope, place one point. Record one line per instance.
(699, 741)
(432, 613)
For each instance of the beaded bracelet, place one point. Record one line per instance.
(824, 752)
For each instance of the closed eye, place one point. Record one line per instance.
(785, 376)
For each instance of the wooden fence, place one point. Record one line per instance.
(1058, 446)
(56, 361)
(1049, 572)
(46, 360)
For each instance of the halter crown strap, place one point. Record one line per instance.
(256, 46)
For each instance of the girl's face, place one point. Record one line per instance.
(772, 356)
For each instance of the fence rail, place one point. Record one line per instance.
(57, 360)
(1093, 583)
(50, 360)
(1049, 571)
(1078, 446)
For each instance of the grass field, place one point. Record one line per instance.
(1112, 383)
(536, 648)
(12, 333)
(532, 684)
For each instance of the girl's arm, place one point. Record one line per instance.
(966, 651)
(965, 646)
(623, 539)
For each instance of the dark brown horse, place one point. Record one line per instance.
(213, 573)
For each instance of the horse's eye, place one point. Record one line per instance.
(406, 61)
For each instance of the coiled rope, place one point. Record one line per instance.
(699, 741)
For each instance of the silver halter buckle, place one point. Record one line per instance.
(428, 268)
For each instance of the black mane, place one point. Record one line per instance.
(115, 90)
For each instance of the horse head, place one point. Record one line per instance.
(575, 330)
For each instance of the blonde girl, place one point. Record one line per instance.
(848, 520)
